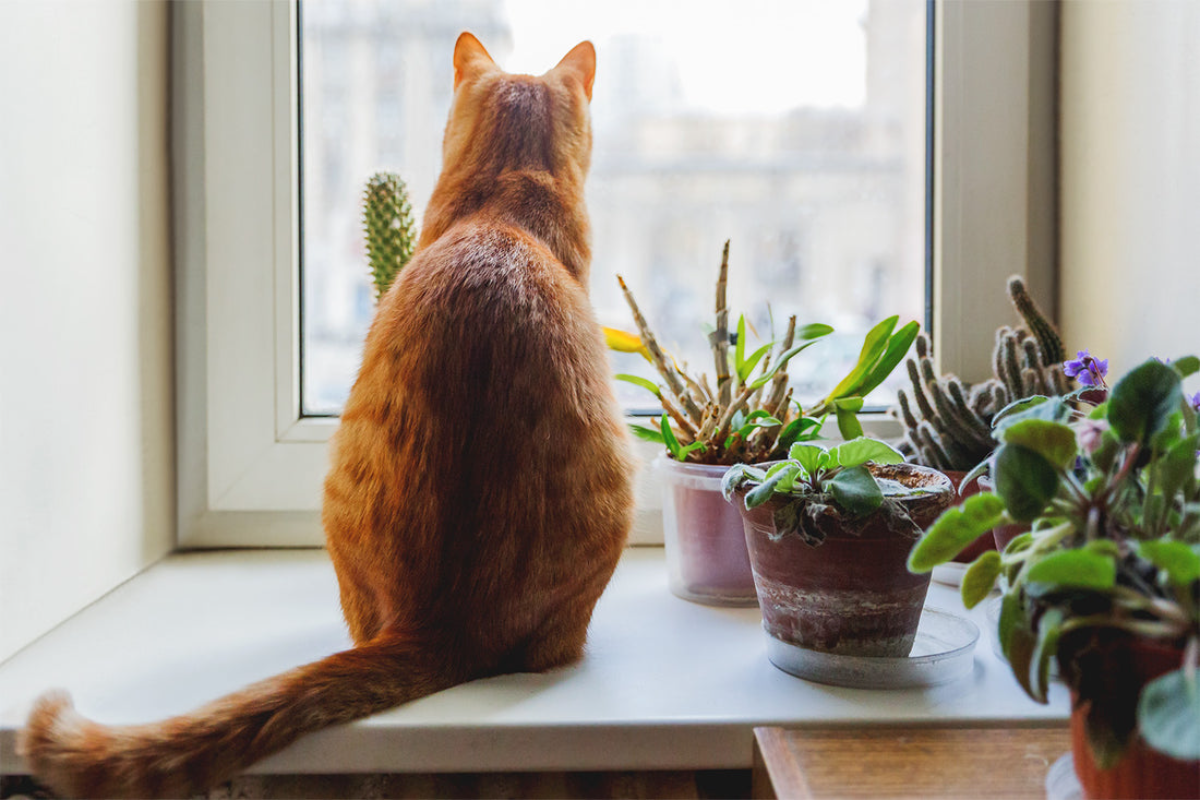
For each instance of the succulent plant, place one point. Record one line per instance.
(948, 422)
(391, 231)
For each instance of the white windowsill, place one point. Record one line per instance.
(666, 684)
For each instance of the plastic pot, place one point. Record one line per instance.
(705, 547)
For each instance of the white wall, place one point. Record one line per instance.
(1130, 171)
(86, 432)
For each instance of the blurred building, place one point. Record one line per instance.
(824, 206)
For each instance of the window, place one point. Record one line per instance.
(252, 463)
(796, 129)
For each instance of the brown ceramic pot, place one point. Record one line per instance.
(852, 594)
(1141, 772)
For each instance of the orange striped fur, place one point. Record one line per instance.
(479, 495)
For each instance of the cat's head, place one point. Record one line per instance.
(500, 121)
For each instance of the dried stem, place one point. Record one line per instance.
(719, 338)
(780, 381)
(659, 358)
(687, 428)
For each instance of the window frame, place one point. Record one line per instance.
(251, 466)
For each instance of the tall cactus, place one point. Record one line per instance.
(391, 231)
(948, 422)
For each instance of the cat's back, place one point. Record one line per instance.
(485, 369)
(488, 319)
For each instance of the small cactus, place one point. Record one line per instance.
(947, 422)
(391, 231)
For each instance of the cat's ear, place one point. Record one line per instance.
(580, 62)
(470, 58)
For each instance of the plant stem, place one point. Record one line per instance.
(720, 337)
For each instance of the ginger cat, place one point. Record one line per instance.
(479, 496)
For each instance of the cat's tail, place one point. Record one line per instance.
(184, 755)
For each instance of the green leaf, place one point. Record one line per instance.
(1142, 402)
(775, 469)
(750, 363)
(1074, 569)
(787, 479)
(955, 529)
(813, 330)
(797, 428)
(861, 450)
(1019, 407)
(848, 425)
(1176, 468)
(1052, 409)
(637, 380)
(762, 493)
(1178, 560)
(1019, 650)
(739, 347)
(873, 346)
(1169, 714)
(897, 347)
(669, 439)
(1104, 547)
(979, 578)
(779, 363)
(1019, 543)
(738, 474)
(855, 490)
(1049, 630)
(1186, 366)
(1052, 440)
(1025, 481)
(807, 455)
(647, 434)
(979, 469)
(1012, 619)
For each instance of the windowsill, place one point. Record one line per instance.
(666, 684)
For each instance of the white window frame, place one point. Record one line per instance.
(251, 467)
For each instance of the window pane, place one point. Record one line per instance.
(794, 128)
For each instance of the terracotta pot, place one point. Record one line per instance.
(985, 541)
(705, 547)
(1141, 772)
(1002, 534)
(852, 594)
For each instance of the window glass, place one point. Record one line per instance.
(794, 128)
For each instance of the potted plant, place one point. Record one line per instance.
(829, 532)
(745, 415)
(1107, 581)
(948, 422)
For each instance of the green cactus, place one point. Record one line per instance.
(391, 231)
(1048, 341)
(947, 422)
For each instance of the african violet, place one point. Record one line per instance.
(835, 478)
(1107, 479)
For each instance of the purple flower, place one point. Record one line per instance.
(1087, 370)
(1195, 401)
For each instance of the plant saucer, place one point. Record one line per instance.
(942, 652)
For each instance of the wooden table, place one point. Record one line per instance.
(821, 763)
